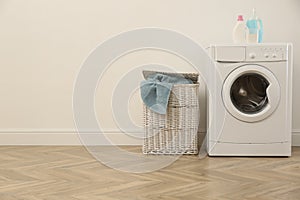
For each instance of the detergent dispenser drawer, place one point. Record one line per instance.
(230, 53)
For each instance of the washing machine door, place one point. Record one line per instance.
(251, 93)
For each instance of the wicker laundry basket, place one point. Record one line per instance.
(176, 132)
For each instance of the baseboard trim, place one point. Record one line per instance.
(73, 138)
(296, 137)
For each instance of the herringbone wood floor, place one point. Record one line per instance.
(70, 172)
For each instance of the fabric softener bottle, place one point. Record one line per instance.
(255, 29)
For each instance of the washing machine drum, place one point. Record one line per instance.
(251, 93)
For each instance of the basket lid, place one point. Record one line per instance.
(188, 75)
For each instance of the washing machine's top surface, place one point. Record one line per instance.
(249, 53)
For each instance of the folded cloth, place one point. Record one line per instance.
(155, 91)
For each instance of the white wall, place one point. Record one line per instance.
(43, 43)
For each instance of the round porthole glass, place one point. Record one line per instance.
(248, 93)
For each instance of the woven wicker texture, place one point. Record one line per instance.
(177, 131)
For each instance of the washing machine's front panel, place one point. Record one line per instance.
(256, 105)
(256, 94)
(251, 93)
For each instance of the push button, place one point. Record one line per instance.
(252, 55)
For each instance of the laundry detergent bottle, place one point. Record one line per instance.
(239, 31)
(255, 29)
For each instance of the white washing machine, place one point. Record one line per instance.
(255, 100)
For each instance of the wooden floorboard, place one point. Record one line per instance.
(70, 172)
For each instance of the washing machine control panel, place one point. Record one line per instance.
(265, 53)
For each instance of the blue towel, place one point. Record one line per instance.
(155, 91)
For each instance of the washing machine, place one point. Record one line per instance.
(252, 100)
